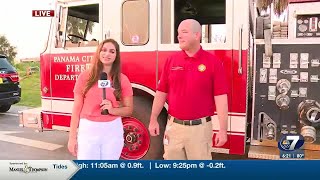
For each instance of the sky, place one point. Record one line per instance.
(27, 33)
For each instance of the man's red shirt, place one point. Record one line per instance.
(191, 84)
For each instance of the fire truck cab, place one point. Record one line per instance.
(146, 30)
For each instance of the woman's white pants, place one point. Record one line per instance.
(100, 140)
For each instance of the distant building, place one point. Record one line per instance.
(34, 59)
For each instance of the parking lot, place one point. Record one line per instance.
(25, 143)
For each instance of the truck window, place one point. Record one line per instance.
(210, 14)
(135, 22)
(81, 26)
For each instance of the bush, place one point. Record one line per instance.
(22, 67)
(31, 91)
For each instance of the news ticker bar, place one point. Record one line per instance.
(151, 165)
(78, 169)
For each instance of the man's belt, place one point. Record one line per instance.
(191, 122)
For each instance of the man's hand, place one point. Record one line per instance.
(221, 138)
(154, 127)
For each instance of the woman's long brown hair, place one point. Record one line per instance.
(97, 67)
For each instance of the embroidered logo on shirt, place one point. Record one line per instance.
(201, 67)
(177, 68)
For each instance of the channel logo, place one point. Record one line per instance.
(104, 84)
(290, 142)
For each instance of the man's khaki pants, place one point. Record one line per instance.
(184, 142)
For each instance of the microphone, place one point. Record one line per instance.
(104, 83)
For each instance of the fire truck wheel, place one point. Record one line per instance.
(138, 142)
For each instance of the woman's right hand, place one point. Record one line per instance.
(73, 146)
(106, 104)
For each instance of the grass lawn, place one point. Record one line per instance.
(30, 89)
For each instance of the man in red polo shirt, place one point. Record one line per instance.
(194, 83)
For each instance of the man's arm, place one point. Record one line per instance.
(221, 102)
(158, 103)
(159, 100)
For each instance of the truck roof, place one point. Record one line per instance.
(66, 1)
(301, 1)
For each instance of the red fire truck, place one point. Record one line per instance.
(272, 67)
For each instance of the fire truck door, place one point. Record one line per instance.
(133, 24)
(239, 89)
(75, 40)
(224, 28)
(218, 37)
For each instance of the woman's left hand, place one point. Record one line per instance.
(106, 104)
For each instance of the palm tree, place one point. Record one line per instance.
(279, 6)
(77, 26)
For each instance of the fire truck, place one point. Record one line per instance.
(272, 66)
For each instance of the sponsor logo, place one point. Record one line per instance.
(26, 168)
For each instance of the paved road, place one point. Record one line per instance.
(20, 143)
(24, 143)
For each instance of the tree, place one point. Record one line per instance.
(279, 6)
(78, 26)
(6, 49)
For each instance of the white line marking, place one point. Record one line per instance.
(10, 114)
(27, 142)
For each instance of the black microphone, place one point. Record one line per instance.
(103, 83)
